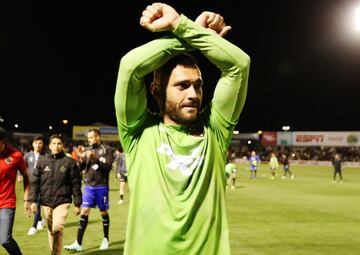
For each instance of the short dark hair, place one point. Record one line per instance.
(95, 130)
(38, 138)
(58, 136)
(162, 74)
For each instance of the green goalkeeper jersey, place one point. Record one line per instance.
(230, 168)
(273, 163)
(176, 180)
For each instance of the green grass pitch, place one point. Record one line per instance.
(308, 215)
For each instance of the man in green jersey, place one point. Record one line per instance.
(230, 171)
(273, 164)
(176, 159)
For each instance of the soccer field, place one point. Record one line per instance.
(307, 215)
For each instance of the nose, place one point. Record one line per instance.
(192, 93)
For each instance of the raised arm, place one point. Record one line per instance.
(234, 64)
(204, 35)
(130, 93)
(230, 92)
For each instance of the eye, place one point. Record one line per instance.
(182, 85)
(198, 86)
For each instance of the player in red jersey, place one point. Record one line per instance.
(11, 160)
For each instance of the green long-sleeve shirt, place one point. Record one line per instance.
(273, 163)
(176, 180)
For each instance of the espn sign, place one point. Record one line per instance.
(326, 138)
(309, 138)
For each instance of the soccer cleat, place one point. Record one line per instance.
(32, 231)
(283, 177)
(73, 247)
(121, 201)
(104, 244)
(292, 176)
(40, 225)
(232, 187)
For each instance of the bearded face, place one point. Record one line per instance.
(183, 114)
(183, 96)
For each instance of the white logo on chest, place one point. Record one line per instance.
(185, 163)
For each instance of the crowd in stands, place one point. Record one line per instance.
(351, 154)
(243, 149)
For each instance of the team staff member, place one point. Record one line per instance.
(337, 167)
(56, 178)
(97, 160)
(11, 160)
(31, 158)
(121, 171)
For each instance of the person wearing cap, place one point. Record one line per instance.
(11, 160)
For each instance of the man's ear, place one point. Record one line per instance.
(154, 89)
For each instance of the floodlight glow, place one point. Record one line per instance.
(357, 19)
(249, 142)
(65, 122)
(16, 125)
(260, 132)
(50, 127)
(236, 132)
(286, 128)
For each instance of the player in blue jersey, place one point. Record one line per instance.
(254, 163)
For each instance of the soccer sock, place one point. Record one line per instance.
(12, 247)
(121, 197)
(106, 225)
(233, 181)
(81, 228)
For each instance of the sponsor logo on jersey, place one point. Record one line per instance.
(9, 160)
(185, 163)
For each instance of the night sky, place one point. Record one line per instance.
(61, 61)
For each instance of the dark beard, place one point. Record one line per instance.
(176, 115)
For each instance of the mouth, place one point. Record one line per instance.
(189, 108)
(192, 105)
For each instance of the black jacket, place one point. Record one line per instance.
(56, 178)
(97, 172)
(337, 165)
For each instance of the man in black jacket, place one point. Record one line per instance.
(97, 160)
(337, 167)
(56, 178)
